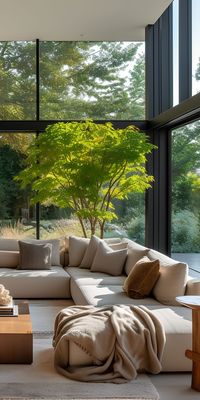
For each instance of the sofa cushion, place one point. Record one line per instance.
(77, 248)
(135, 253)
(108, 260)
(83, 276)
(53, 283)
(90, 252)
(55, 257)
(34, 256)
(9, 259)
(93, 246)
(172, 280)
(142, 278)
(9, 244)
(100, 295)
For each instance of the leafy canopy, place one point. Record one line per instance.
(86, 166)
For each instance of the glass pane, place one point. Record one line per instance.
(195, 47)
(17, 217)
(186, 195)
(130, 222)
(97, 80)
(175, 52)
(17, 80)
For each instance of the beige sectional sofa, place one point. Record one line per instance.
(70, 279)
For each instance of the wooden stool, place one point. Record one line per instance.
(193, 302)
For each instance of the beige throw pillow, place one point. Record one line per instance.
(108, 260)
(90, 252)
(92, 249)
(142, 278)
(34, 256)
(77, 248)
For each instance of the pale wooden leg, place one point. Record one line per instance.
(194, 355)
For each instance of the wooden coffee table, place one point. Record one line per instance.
(193, 302)
(16, 338)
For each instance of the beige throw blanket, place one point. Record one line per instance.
(120, 339)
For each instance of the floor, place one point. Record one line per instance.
(175, 386)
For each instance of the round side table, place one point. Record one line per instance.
(193, 302)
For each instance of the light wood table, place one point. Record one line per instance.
(193, 302)
(16, 338)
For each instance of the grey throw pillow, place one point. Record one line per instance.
(55, 256)
(34, 256)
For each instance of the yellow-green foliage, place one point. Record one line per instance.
(85, 166)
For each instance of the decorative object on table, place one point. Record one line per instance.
(5, 297)
(7, 307)
(193, 302)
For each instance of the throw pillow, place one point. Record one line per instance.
(77, 248)
(34, 256)
(92, 249)
(108, 260)
(55, 257)
(135, 253)
(172, 280)
(90, 252)
(142, 278)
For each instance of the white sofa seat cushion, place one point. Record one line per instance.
(178, 327)
(172, 280)
(100, 295)
(83, 276)
(53, 283)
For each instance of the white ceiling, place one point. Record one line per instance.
(78, 19)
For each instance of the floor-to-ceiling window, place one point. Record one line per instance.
(68, 81)
(185, 227)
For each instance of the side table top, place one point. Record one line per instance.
(189, 301)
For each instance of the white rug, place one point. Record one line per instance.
(41, 381)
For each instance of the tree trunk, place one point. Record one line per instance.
(82, 226)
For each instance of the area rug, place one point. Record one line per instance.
(41, 381)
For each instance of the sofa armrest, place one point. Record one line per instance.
(193, 287)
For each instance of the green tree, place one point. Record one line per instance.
(85, 166)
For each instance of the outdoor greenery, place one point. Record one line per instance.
(96, 164)
(81, 80)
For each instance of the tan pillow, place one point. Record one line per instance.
(142, 278)
(108, 260)
(77, 248)
(172, 280)
(34, 256)
(135, 253)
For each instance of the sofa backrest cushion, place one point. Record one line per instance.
(108, 260)
(9, 259)
(142, 278)
(172, 280)
(9, 244)
(135, 253)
